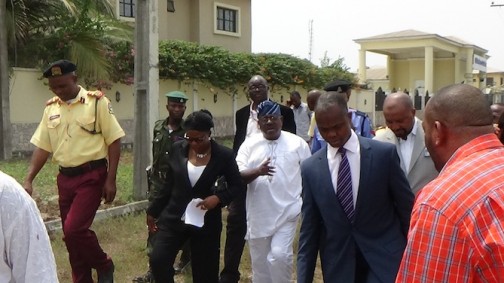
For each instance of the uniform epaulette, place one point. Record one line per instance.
(158, 125)
(98, 94)
(52, 100)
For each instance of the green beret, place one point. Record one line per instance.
(177, 96)
(59, 68)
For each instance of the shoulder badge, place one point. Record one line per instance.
(109, 106)
(51, 101)
(98, 94)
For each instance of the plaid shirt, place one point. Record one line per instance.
(457, 226)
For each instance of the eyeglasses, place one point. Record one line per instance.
(258, 87)
(266, 119)
(196, 140)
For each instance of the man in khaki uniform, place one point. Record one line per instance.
(80, 130)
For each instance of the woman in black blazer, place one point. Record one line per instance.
(195, 165)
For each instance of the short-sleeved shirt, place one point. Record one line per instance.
(61, 129)
(456, 232)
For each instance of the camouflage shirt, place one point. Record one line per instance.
(162, 144)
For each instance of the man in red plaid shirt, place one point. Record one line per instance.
(457, 226)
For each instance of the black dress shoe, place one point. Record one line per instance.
(107, 276)
(146, 278)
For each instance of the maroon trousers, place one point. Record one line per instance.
(79, 199)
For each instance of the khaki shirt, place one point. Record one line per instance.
(60, 131)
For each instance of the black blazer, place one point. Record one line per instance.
(242, 116)
(171, 202)
(381, 221)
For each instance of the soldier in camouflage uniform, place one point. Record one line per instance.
(166, 132)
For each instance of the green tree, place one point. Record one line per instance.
(79, 30)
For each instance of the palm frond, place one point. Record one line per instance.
(88, 53)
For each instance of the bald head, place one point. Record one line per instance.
(258, 78)
(257, 90)
(454, 116)
(459, 105)
(398, 99)
(312, 98)
(497, 110)
(399, 114)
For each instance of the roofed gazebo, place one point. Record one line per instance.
(424, 62)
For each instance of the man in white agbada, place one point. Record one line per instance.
(24, 243)
(270, 164)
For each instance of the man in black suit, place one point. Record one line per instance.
(246, 125)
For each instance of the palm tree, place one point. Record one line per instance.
(78, 30)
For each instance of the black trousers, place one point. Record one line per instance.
(205, 252)
(235, 239)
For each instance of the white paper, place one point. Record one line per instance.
(195, 215)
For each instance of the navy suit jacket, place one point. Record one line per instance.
(381, 221)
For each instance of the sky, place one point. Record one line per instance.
(282, 26)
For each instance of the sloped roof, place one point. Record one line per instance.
(402, 33)
(415, 34)
(493, 70)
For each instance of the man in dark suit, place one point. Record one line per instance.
(246, 126)
(356, 203)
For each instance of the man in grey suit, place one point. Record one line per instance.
(405, 131)
(356, 203)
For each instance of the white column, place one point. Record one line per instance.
(429, 69)
(456, 64)
(469, 67)
(362, 66)
(390, 72)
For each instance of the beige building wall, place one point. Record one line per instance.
(194, 20)
(498, 79)
(177, 25)
(29, 93)
(443, 73)
(407, 71)
(207, 33)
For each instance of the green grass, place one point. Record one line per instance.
(123, 238)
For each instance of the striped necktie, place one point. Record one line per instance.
(344, 186)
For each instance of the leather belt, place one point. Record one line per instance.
(83, 168)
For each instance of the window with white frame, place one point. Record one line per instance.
(127, 8)
(227, 19)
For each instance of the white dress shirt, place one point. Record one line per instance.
(26, 250)
(252, 124)
(406, 147)
(302, 119)
(273, 200)
(352, 147)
